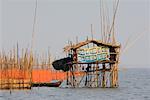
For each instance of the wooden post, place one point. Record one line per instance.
(97, 75)
(104, 80)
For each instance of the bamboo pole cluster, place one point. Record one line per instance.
(15, 69)
(19, 68)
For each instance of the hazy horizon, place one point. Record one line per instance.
(61, 20)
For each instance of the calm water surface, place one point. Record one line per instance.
(134, 85)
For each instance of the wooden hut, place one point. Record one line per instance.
(96, 60)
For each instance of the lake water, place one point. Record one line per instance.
(134, 84)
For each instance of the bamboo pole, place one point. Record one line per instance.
(103, 77)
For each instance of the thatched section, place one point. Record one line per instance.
(98, 43)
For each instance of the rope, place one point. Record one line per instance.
(132, 43)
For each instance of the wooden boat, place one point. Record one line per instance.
(53, 83)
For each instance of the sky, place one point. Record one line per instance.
(61, 20)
